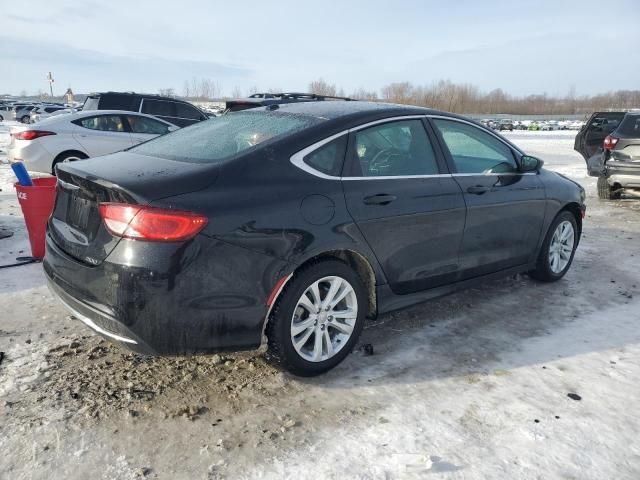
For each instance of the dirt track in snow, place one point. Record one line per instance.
(474, 385)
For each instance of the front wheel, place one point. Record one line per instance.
(25, 119)
(317, 319)
(558, 249)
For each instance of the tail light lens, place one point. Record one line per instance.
(32, 134)
(149, 223)
(609, 142)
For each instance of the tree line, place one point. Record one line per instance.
(442, 95)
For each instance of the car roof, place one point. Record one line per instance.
(335, 109)
(91, 113)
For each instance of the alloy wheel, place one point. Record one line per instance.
(561, 247)
(324, 318)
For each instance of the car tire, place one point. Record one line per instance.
(605, 192)
(316, 335)
(66, 157)
(549, 266)
(25, 119)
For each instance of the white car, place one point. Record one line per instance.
(66, 138)
(46, 111)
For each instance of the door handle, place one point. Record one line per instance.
(478, 189)
(379, 199)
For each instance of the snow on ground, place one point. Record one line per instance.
(475, 385)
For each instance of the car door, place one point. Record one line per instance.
(102, 134)
(145, 128)
(589, 139)
(406, 204)
(505, 207)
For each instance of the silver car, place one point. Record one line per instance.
(76, 136)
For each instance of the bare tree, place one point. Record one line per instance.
(167, 92)
(236, 92)
(320, 87)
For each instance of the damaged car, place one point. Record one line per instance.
(610, 144)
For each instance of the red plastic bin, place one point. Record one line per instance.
(37, 204)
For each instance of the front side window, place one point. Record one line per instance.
(146, 125)
(393, 149)
(221, 138)
(474, 150)
(105, 123)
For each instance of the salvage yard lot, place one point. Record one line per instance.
(515, 379)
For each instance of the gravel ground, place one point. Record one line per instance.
(513, 379)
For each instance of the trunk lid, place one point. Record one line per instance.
(76, 225)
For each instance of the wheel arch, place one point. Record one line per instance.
(356, 260)
(63, 154)
(576, 210)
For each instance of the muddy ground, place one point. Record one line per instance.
(514, 379)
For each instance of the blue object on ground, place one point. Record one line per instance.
(23, 176)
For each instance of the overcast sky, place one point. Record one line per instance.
(521, 47)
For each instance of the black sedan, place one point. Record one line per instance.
(298, 222)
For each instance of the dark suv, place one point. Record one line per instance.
(265, 99)
(177, 112)
(610, 144)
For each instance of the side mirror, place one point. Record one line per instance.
(530, 164)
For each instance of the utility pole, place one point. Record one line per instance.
(50, 80)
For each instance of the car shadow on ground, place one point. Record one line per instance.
(479, 330)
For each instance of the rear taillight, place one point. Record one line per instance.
(32, 134)
(149, 223)
(609, 142)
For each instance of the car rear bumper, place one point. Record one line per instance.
(625, 174)
(206, 296)
(35, 157)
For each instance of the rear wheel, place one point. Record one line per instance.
(558, 249)
(317, 319)
(25, 119)
(605, 192)
(67, 157)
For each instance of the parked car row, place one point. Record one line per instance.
(25, 112)
(532, 125)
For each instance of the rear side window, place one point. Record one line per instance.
(184, 110)
(104, 123)
(116, 101)
(160, 108)
(474, 150)
(630, 126)
(328, 158)
(221, 138)
(140, 124)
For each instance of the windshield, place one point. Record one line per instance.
(218, 139)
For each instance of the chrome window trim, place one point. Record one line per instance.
(297, 158)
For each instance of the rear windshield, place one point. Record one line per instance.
(91, 103)
(220, 138)
(630, 126)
